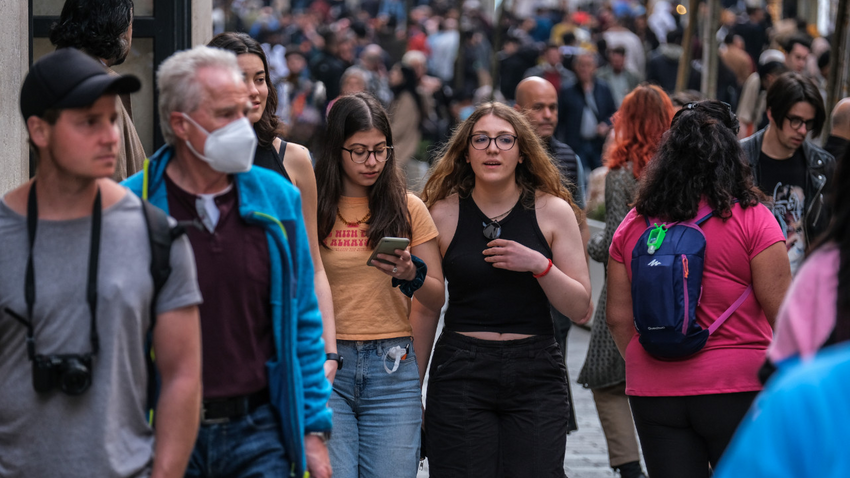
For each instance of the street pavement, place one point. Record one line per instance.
(587, 453)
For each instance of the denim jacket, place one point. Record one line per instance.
(820, 166)
(297, 384)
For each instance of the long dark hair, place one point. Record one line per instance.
(387, 197)
(268, 127)
(699, 156)
(838, 233)
(94, 26)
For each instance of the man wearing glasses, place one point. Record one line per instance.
(789, 168)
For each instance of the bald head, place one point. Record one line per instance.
(537, 99)
(841, 119)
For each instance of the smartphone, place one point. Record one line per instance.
(388, 245)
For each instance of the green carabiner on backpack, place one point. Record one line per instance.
(656, 237)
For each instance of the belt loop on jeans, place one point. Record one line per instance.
(223, 410)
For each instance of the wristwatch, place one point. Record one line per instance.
(335, 357)
(325, 436)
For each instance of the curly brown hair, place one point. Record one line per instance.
(452, 174)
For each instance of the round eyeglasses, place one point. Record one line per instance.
(504, 141)
(361, 155)
(796, 122)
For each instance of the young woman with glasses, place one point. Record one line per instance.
(376, 399)
(497, 401)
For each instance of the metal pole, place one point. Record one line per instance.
(837, 60)
(709, 50)
(496, 46)
(685, 61)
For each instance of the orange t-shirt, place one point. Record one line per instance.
(366, 305)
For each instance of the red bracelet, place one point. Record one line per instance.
(549, 267)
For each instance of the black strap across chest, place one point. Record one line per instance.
(91, 284)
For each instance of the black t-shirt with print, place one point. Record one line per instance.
(784, 181)
(789, 172)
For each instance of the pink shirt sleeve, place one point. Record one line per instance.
(807, 315)
(762, 230)
(618, 242)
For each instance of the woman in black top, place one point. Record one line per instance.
(271, 151)
(497, 402)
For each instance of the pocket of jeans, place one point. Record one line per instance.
(457, 357)
(263, 418)
(553, 355)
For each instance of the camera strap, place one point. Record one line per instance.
(91, 287)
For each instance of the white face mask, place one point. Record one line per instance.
(229, 149)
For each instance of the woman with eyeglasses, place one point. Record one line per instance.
(290, 160)
(376, 396)
(497, 402)
(687, 409)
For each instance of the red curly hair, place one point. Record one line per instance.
(646, 113)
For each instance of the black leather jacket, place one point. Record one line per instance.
(820, 167)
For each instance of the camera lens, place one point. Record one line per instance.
(75, 377)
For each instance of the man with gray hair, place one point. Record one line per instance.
(265, 393)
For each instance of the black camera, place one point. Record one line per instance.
(71, 373)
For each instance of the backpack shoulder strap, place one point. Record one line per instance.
(160, 239)
(704, 214)
(732, 308)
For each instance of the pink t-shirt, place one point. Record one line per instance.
(807, 315)
(730, 360)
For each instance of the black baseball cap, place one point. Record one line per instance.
(68, 78)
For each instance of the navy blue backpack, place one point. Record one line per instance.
(667, 265)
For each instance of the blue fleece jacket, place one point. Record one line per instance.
(297, 383)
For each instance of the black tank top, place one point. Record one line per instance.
(269, 158)
(483, 298)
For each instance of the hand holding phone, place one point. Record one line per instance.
(388, 245)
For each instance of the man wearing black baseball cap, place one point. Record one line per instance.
(76, 297)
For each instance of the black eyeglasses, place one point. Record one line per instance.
(691, 106)
(796, 122)
(361, 155)
(481, 141)
(732, 123)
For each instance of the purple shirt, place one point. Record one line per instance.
(234, 278)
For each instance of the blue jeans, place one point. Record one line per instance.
(377, 415)
(250, 446)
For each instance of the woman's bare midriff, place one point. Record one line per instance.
(495, 335)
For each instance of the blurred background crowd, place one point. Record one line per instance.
(430, 62)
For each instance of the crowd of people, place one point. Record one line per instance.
(261, 296)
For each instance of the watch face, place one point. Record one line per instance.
(325, 436)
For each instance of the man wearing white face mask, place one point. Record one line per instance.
(265, 393)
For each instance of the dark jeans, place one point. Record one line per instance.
(244, 447)
(681, 436)
(496, 408)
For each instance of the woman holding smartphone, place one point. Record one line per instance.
(498, 402)
(362, 199)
